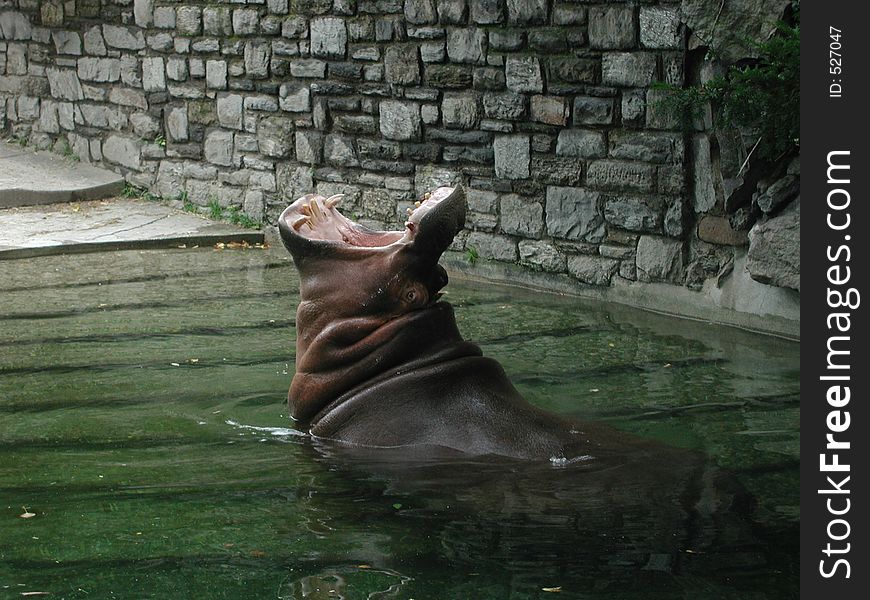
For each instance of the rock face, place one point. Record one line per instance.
(724, 26)
(774, 249)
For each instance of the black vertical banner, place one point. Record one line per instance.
(835, 254)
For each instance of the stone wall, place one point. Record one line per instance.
(546, 110)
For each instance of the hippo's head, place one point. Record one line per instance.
(362, 290)
(367, 272)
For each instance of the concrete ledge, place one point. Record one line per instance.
(30, 178)
(760, 308)
(98, 226)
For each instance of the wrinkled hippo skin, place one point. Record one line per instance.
(379, 359)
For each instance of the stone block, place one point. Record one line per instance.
(430, 177)
(573, 213)
(552, 110)
(548, 41)
(633, 107)
(128, 97)
(309, 146)
(647, 146)
(523, 74)
(505, 39)
(774, 249)
(659, 115)
(481, 201)
(177, 125)
(660, 27)
(64, 84)
(459, 110)
(448, 76)
(153, 74)
(400, 120)
(582, 143)
(99, 69)
(487, 12)
(659, 259)
(492, 247)
(527, 12)
(420, 12)
(571, 69)
(294, 98)
(67, 42)
(188, 20)
(125, 38)
(566, 14)
(558, 170)
(718, 230)
(401, 64)
(328, 37)
(541, 256)
(308, 67)
(467, 46)
(257, 55)
(176, 69)
(93, 41)
(452, 11)
(216, 74)
(123, 150)
(590, 110)
(102, 116)
(594, 270)
(275, 136)
(246, 21)
(620, 175)
(634, 213)
(229, 110)
(512, 156)
(164, 17)
(612, 27)
(143, 13)
(628, 69)
(218, 147)
(338, 150)
(521, 216)
(15, 26)
(219, 21)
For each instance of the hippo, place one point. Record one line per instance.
(380, 361)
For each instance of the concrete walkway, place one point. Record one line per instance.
(109, 225)
(28, 177)
(49, 205)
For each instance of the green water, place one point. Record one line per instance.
(143, 423)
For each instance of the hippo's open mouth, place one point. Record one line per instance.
(314, 221)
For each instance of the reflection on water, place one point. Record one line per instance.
(144, 425)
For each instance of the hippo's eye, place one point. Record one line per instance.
(411, 295)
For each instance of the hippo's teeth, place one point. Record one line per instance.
(315, 210)
(334, 201)
(417, 203)
(299, 221)
(305, 209)
(409, 211)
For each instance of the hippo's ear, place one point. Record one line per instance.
(437, 221)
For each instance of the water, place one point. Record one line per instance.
(143, 423)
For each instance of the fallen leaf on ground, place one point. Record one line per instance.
(552, 589)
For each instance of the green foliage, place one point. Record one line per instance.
(132, 191)
(236, 217)
(215, 211)
(763, 96)
(471, 255)
(68, 152)
(160, 141)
